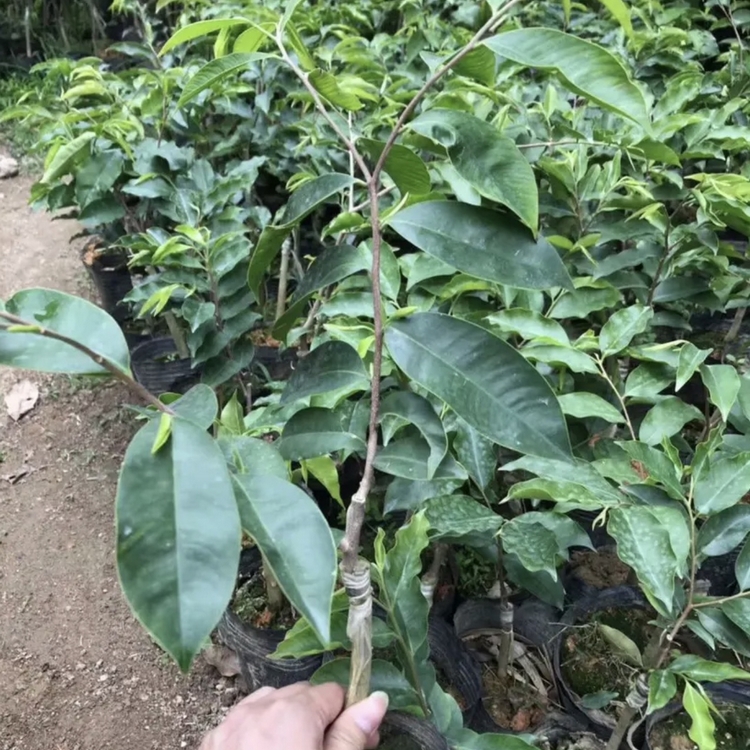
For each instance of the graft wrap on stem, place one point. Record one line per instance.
(359, 629)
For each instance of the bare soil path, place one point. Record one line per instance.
(76, 671)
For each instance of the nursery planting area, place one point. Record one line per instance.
(399, 344)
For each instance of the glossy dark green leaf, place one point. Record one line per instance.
(418, 411)
(583, 301)
(655, 542)
(529, 325)
(296, 543)
(216, 71)
(667, 418)
(724, 531)
(738, 611)
(476, 453)
(655, 465)
(585, 67)
(329, 367)
(316, 432)
(386, 678)
(333, 265)
(662, 687)
(584, 405)
(541, 584)
(691, 358)
(723, 383)
(199, 405)
(622, 326)
(409, 495)
(742, 568)
(724, 628)
(97, 176)
(302, 203)
(723, 484)
(402, 165)
(488, 160)
(533, 544)
(561, 356)
(483, 379)
(178, 536)
(454, 517)
(69, 316)
(483, 243)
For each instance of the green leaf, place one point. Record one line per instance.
(479, 64)
(200, 29)
(742, 568)
(583, 405)
(296, 543)
(540, 584)
(249, 455)
(97, 176)
(647, 380)
(738, 612)
(621, 13)
(701, 670)
(667, 418)
(217, 70)
(532, 543)
(723, 385)
(724, 531)
(488, 160)
(585, 67)
(396, 575)
(476, 453)
(418, 411)
(405, 458)
(327, 86)
(69, 316)
(483, 243)
(655, 542)
(622, 326)
(332, 366)
(251, 40)
(702, 728)
(529, 325)
(333, 265)
(622, 644)
(165, 430)
(178, 536)
(316, 432)
(690, 359)
(402, 165)
(657, 466)
(583, 301)
(726, 481)
(101, 211)
(323, 468)
(561, 356)
(199, 406)
(67, 156)
(485, 381)
(454, 517)
(662, 687)
(386, 678)
(302, 203)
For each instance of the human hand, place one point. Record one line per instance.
(302, 717)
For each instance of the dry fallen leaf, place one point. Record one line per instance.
(21, 399)
(224, 659)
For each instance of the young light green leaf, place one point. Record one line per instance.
(621, 13)
(483, 243)
(485, 381)
(69, 316)
(723, 385)
(418, 411)
(326, 85)
(725, 482)
(584, 405)
(177, 591)
(67, 156)
(667, 418)
(529, 325)
(622, 644)
(296, 543)
(323, 468)
(162, 435)
(662, 687)
(402, 165)
(655, 542)
(251, 40)
(690, 359)
(329, 367)
(702, 670)
(622, 326)
(200, 29)
(702, 729)
(217, 70)
(585, 67)
(488, 160)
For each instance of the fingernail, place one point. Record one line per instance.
(369, 714)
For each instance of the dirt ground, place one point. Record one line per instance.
(77, 672)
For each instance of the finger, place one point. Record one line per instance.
(373, 741)
(256, 696)
(355, 727)
(326, 702)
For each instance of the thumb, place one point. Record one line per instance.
(356, 726)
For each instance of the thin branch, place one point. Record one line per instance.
(720, 602)
(603, 372)
(498, 18)
(104, 363)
